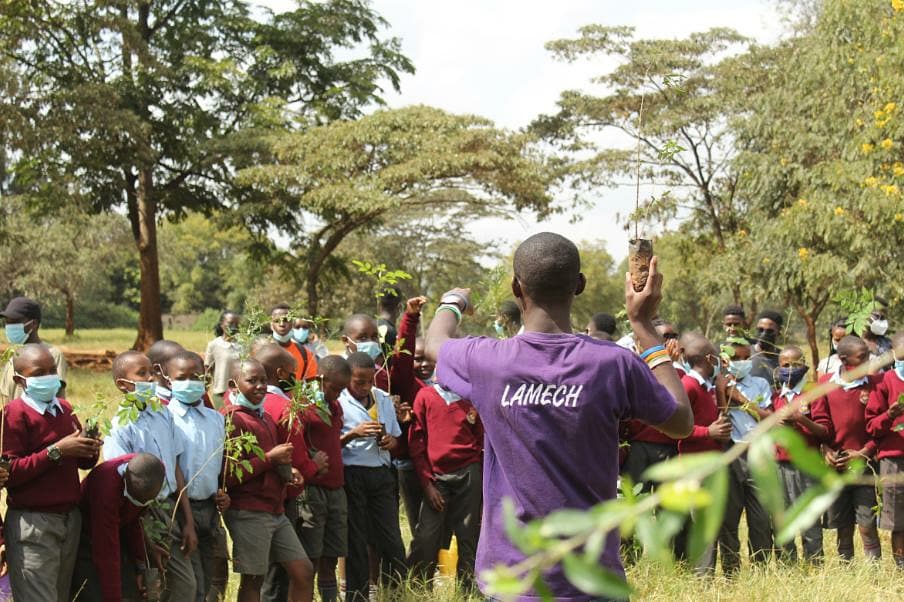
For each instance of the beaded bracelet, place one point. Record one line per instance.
(659, 362)
(452, 308)
(656, 355)
(651, 351)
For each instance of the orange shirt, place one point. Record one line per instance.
(305, 362)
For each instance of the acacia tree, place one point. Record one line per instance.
(132, 104)
(824, 165)
(326, 182)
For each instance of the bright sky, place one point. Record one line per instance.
(487, 57)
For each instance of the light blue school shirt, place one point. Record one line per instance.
(365, 451)
(155, 433)
(758, 391)
(204, 431)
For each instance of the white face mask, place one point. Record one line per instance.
(879, 327)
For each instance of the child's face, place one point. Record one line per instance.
(790, 358)
(855, 359)
(732, 324)
(184, 369)
(362, 382)
(333, 386)
(280, 322)
(741, 352)
(137, 369)
(41, 364)
(252, 383)
(422, 366)
(285, 373)
(230, 324)
(358, 332)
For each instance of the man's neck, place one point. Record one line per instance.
(548, 320)
(33, 339)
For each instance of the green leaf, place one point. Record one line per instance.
(685, 466)
(565, 523)
(501, 581)
(764, 469)
(708, 520)
(543, 590)
(593, 579)
(684, 495)
(806, 510)
(802, 455)
(655, 533)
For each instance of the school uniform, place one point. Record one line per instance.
(43, 522)
(370, 489)
(446, 443)
(112, 547)
(742, 491)
(844, 413)
(646, 446)
(702, 396)
(795, 482)
(261, 533)
(890, 445)
(201, 462)
(155, 433)
(278, 405)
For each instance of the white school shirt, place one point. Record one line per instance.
(154, 433)
(364, 451)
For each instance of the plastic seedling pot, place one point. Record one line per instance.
(640, 253)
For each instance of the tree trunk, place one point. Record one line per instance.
(313, 275)
(150, 322)
(810, 321)
(70, 315)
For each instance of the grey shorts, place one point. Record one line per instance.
(855, 505)
(323, 521)
(892, 515)
(259, 539)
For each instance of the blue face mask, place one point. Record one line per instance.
(187, 391)
(144, 390)
(162, 392)
(371, 348)
(301, 335)
(899, 367)
(16, 334)
(283, 338)
(42, 388)
(499, 328)
(239, 399)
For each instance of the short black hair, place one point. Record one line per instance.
(284, 306)
(335, 367)
(734, 310)
(851, 344)
(604, 322)
(347, 325)
(771, 314)
(121, 361)
(146, 474)
(390, 298)
(162, 350)
(28, 353)
(548, 267)
(509, 309)
(359, 359)
(186, 356)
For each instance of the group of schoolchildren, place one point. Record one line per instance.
(745, 377)
(302, 455)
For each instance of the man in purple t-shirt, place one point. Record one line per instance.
(551, 401)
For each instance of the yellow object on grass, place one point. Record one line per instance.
(447, 560)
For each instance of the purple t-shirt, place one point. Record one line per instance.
(550, 405)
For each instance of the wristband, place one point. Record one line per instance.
(651, 351)
(661, 361)
(449, 307)
(656, 355)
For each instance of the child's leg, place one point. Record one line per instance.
(301, 580)
(759, 523)
(327, 586)
(250, 588)
(872, 547)
(846, 542)
(383, 508)
(219, 568)
(428, 535)
(729, 542)
(865, 516)
(357, 571)
(33, 544)
(892, 516)
(790, 490)
(841, 517)
(412, 495)
(464, 514)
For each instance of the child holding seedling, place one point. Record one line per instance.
(154, 431)
(46, 448)
(791, 376)
(284, 403)
(281, 327)
(749, 400)
(370, 485)
(885, 422)
(201, 462)
(844, 413)
(114, 497)
(446, 443)
(256, 520)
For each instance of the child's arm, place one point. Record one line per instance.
(189, 535)
(85, 463)
(417, 441)
(301, 459)
(401, 366)
(27, 464)
(118, 442)
(878, 415)
(821, 415)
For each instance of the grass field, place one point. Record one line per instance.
(832, 581)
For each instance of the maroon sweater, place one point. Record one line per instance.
(703, 404)
(878, 422)
(35, 481)
(403, 381)
(106, 516)
(261, 490)
(817, 415)
(277, 407)
(324, 437)
(442, 439)
(844, 413)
